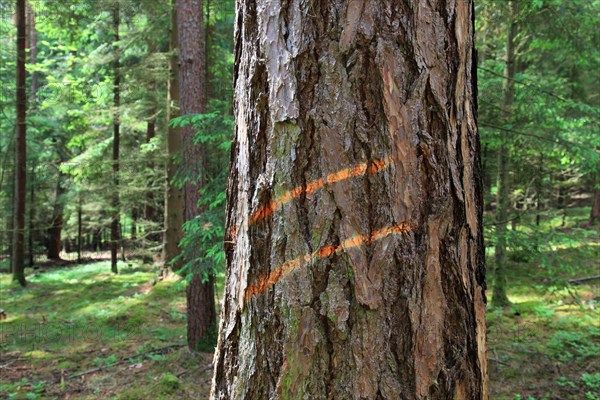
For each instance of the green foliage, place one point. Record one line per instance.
(575, 346)
(202, 244)
(169, 383)
(106, 361)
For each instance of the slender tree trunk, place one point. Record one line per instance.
(354, 243)
(114, 227)
(32, 230)
(56, 224)
(18, 250)
(32, 46)
(499, 297)
(149, 197)
(134, 218)
(173, 193)
(79, 227)
(595, 213)
(201, 314)
(8, 186)
(538, 190)
(149, 209)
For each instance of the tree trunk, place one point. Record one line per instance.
(499, 297)
(149, 197)
(32, 230)
(201, 314)
(18, 250)
(56, 224)
(32, 39)
(595, 213)
(149, 209)
(114, 226)
(354, 246)
(79, 227)
(173, 193)
(134, 218)
(538, 190)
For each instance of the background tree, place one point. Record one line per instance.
(502, 198)
(18, 248)
(536, 111)
(173, 193)
(354, 238)
(200, 292)
(115, 227)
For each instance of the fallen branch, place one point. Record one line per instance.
(577, 281)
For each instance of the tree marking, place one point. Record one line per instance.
(265, 282)
(371, 167)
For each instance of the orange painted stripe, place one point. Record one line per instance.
(265, 282)
(372, 168)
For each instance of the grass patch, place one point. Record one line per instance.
(126, 330)
(546, 345)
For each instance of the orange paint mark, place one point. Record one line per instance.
(326, 251)
(265, 211)
(378, 165)
(265, 282)
(297, 192)
(353, 242)
(314, 186)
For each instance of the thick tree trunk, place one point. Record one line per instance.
(18, 250)
(201, 314)
(115, 236)
(499, 297)
(354, 239)
(173, 193)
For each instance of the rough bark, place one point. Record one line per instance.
(499, 297)
(201, 314)
(173, 194)
(18, 239)
(354, 239)
(115, 236)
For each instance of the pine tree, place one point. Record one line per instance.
(354, 235)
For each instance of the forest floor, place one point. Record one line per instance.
(546, 345)
(80, 332)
